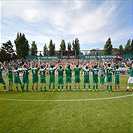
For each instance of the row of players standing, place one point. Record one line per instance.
(104, 69)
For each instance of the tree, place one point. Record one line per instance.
(6, 51)
(69, 46)
(108, 47)
(115, 51)
(132, 45)
(33, 49)
(121, 50)
(22, 46)
(51, 48)
(45, 50)
(128, 48)
(76, 46)
(62, 45)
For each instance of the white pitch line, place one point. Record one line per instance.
(65, 100)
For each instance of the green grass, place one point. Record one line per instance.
(102, 116)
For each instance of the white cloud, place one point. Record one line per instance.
(90, 21)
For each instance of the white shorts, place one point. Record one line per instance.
(130, 80)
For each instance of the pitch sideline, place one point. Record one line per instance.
(69, 100)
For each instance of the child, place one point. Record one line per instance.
(102, 81)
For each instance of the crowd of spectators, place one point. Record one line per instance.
(65, 62)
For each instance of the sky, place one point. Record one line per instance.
(91, 21)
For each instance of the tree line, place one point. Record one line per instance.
(23, 48)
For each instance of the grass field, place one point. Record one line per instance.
(67, 112)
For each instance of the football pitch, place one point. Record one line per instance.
(67, 112)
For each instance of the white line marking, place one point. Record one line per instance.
(65, 100)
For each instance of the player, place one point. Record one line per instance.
(130, 79)
(17, 78)
(117, 78)
(68, 73)
(60, 78)
(42, 77)
(10, 79)
(34, 71)
(1, 78)
(52, 77)
(95, 71)
(108, 72)
(77, 77)
(86, 71)
(102, 81)
(25, 79)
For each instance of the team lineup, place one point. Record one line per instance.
(101, 71)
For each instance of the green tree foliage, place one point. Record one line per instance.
(132, 45)
(128, 47)
(45, 50)
(62, 45)
(33, 49)
(22, 46)
(115, 51)
(7, 51)
(121, 50)
(108, 47)
(69, 46)
(76, 46)
(51, 48)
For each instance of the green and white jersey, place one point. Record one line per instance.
(102, 79)
(86, 72)
(42, 72)
(68, 72)
(25, 72)
(77, 72)
(34, 71)
(95, 71)
(117, 73)
(131, 71)
(52, 71)
(60, 72)
(16, 73)
(10, 77)
(109, 71)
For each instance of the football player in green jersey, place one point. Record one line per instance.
(68, 73)
(60, 71)
(10, 79)
(108, 72)
(25, 79)
(17, 78)
(86, 71)
(43, 77)
(95, 71)
(34, 70)
(52, 77)
(117, 78)
(130, 79)
(77, 77)
(1, 78)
